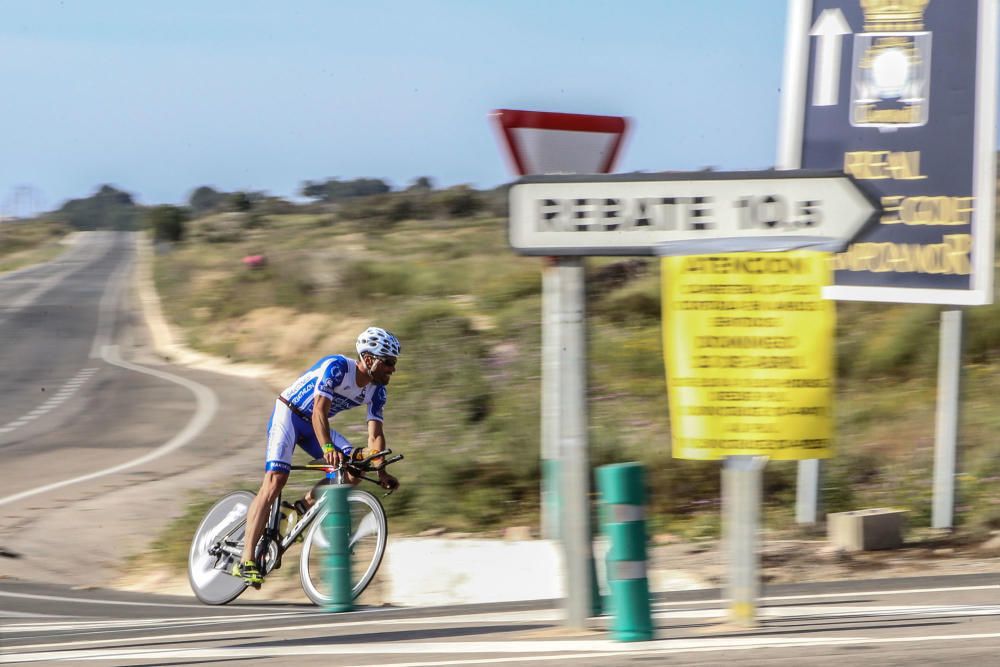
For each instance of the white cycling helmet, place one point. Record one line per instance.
(379, 342)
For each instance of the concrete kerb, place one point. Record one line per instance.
(165, 343)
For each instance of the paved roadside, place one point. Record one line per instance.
(104, 449)
(939, 621)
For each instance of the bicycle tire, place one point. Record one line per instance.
(210, 584)
(367, 514)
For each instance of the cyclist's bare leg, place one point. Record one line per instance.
(270, 489)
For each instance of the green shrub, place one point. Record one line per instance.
(460, 201)
(982, 332)
(639, 302)
(465, 404)
(904, 346)
(381, 278)
(504, 286)
(167, 222)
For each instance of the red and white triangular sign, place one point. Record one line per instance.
(544, 142)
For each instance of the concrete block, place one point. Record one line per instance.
(441, 571)
(423, 571)
(866, 530)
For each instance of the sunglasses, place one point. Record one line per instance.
(388, 361)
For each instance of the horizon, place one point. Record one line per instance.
(248, 96)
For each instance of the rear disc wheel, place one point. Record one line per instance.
(209, 574)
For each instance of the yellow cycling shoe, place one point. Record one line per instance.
(248, 572)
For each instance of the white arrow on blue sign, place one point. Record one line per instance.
(830, 28)
(901, 95)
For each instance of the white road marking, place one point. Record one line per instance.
(64, 598)
(842, 612)
(62, 625)
(539, 614)
(561, 649)
(207, 404)
(29, 652)
(331, 621)
(102, 337)
(901, 591)
(528, 616)
(107, 309)
(69, 388)
(545, 616)
(23, 614)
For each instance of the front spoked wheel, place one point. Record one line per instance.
(216, 548)
(369, 534)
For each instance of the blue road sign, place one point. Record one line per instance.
(901, 95)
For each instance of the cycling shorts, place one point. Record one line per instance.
(285, 429)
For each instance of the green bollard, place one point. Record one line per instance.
(337, 529)
(623, 502)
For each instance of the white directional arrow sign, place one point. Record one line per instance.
(688, 213)
(830, 27)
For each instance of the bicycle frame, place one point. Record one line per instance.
(303, 522)
(272, 534)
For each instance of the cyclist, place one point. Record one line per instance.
(301, 413)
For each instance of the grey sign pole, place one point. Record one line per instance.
(538, 144)
(572, 217)
(946, 431)
(950, 337)
(807, 488)
(551, 362)
(932, 142)
(574, 472)
(741, 501)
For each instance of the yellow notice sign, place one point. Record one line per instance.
(749, 347)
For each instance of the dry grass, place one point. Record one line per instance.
(465, 404)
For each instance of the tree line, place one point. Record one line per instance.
(371, 199)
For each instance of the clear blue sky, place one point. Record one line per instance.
(158, 98)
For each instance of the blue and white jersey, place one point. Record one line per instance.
(333, 377)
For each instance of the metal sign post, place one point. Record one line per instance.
(574, 468)
(550, 409)
(748, 345)
(741, 501)
(702, 214)
(544, 142)
(902, 96)
(946, 433)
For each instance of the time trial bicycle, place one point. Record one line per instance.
(218, 541)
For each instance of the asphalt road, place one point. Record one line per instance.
(928, 621)
(102, 441)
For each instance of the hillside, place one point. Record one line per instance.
(464, 405)
(23, 243)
